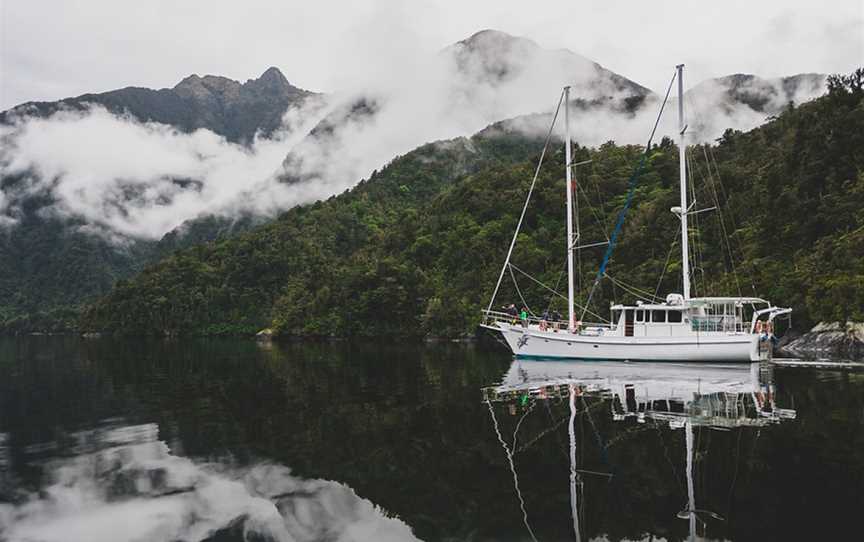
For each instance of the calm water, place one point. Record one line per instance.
(230, 440)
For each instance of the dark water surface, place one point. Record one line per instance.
(109, 440)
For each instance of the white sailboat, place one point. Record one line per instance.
(681, 328)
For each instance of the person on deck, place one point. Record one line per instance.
(524, 316)
(511, 310)
(556, 317)
(544, 320)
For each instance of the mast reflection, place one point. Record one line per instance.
(679, 395)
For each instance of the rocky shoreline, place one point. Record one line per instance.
(827, 339)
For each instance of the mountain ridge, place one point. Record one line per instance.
(237, 111)
(30, 284)
(381, 261)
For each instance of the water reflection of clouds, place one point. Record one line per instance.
(122, 483)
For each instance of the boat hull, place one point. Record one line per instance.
(706, 347)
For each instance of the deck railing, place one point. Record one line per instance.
(491, 317)
(716, 323)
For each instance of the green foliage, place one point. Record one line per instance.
(416, 249)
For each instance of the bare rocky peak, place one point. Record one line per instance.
(497, 57)
(201, 88)
(272, 82)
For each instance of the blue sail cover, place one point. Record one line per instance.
(623, 213)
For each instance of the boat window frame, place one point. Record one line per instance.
(679, 316)
(640, 316)
(658, 311)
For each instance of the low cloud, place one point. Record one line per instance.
(127, 179)
(142, 180)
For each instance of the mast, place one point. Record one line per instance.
(570, 241)
(682, 158)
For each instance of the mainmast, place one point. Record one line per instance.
(571, 242)
(685, 250)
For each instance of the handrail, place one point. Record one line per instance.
(772, 313)
(498, 316)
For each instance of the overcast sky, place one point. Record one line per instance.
(50, 49)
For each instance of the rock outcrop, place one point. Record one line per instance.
(832, 339)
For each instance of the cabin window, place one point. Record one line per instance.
(658, 316)
(675, 316)
(640, 316)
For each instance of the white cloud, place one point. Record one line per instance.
(126, 179)
(53, 49)
(144, 179)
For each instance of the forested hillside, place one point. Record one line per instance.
(53, 263)
(415, 249)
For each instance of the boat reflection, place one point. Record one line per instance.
(678, 395)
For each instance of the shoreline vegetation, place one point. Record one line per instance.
(413, 251)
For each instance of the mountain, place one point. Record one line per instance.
(492, 57)
(491, 76)
(416, 248)
(53, 260)
(73, 227)
(478, 81)
(229, 108)
(768, 96)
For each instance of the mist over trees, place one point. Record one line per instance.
(415, 249)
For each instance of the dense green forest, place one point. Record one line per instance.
(415, 249)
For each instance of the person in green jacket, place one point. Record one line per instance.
(523, 315)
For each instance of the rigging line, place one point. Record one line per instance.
(632, 287)
(578, 231)
(668, 457)
(513, 470)
(734, 476)
(722, 221)
(694, 246)
(708, 189)
(519, 423)
(731, 215)
(697, 237)
(599, 199)
(628, 290)
(630, 191)
(700, 245)
(518, 291)
(527, 200)
(724, 231)
(665, 265)
(557, 283)
(513, 266)
(551, 429)
(603, 449)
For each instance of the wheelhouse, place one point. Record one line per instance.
(678, 317)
